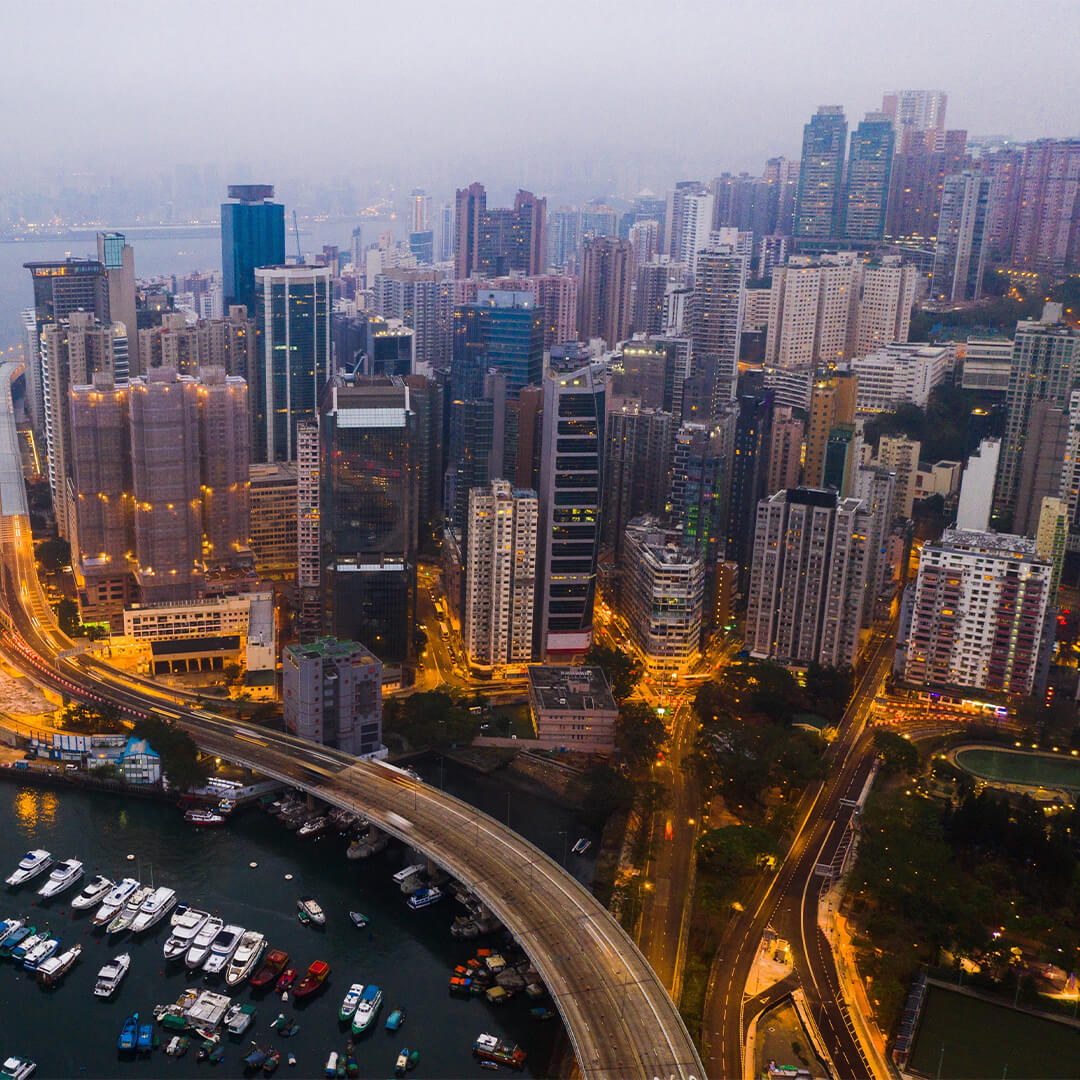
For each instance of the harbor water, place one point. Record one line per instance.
(250, 872)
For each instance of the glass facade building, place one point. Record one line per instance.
(817, 204)
(502, 332)
(252, 235)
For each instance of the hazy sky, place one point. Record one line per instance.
(451, 90)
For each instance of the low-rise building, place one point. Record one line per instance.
(986, 364)
(901, 374)
(572, 708)
(140, 764)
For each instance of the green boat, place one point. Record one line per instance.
(172, 1022)
(15, 938)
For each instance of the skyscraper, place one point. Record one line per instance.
(604, 291)
(832, 403)
(882, 313)
(701, 484)
(308, 539)
(785, 450)
(867, 187)
(922, 110)
(501, 332)
(419, 211)
(252, 235)
(921, 161)
(494, 241)
(874, 487)
(962, 238)
(118, 258)
(1048, 214)
(749, 471)
(817, 205)
(689, 220)
(293, 362)
(717, 314)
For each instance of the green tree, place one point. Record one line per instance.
(898, 755)
(639, 732)
(180, 760)
(622, 672)
(67, 615)
(736, 849)
(607, 792)
(830, 690)
(82, 718)
(54, 555)
(231, 671)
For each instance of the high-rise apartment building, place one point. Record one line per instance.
(272, 519)
(922, 110)
(494, 242)
(782, 175)
(293, 362)
(900, 455)
(654, 278)
(419, 218)
(979, 617)
(866, 190)
(308, 538)
(501, 332)
(808, 578)
(886, 294)
(224, 456)
(427, 399)
(701, 484)
(118, 258)
(832, 404)
(604, 290)
(688, 221)
(571, 469)
(1042, 464)
(962, 238)
(785, 450)
(1048, 212)
(818, 204)
(874, 487)
(332, 695)
(921, 161)
(500, 576)
(252, 235)
(717, 314)
(229, 343)
(1051, 539)
(749, 472)
(424, 301)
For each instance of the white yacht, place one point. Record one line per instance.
(9, 926)
(114, 901)
(93, 892)
(183, 933)
(245, 958)
(17, 1068)
(30, 865)
(111, 975)
(51, 970)
(127, 914)
(42, 951)
(200, 944)
(64, 875)
(154, 908)
(221, 951)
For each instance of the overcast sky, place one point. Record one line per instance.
(450, 89)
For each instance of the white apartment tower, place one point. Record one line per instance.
(309, 569)
(886, 294)
(689, 222)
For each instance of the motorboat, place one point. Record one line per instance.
(314, 980)
(145, 1042)
(17, 1068)
(112, 975)
(16, 937)
(126, 915)
(8, 927)
(203, 817)
(395, 1019)
(331, 1064)
(285, 1026)
(129, 1034)
(425, 897)
(30, 865)
(402, 1062)
(489, 1048)
(114, 901)
(239, 1018)
(245, 958)
(359, 919)
(28, 944)
(350, 1001)
(93, 892)
(183, 933)
(53, 969)
(222, 949)
(255, 1058)
(313, 826)
(153, 909)
(64, 875)
(272, 966)
(41, 952)
(310, 910)
(581, 845)
(366, 1011)
(200, 944)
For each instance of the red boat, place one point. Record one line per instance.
(314, 979)
(288, 977)
(270, 968)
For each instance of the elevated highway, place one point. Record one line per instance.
(620, 1019)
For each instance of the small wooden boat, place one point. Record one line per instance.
(313, 980)
(285, 981)
(395, 1019)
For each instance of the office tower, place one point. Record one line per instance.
(921, 161)
(444, 234)
(977, 487)
(501, 332)
(494, 242)
(1051, 539)
(118, 258)
(818, 203)
(571, 467)
(1047, 217)
(875, 487)
(293, 365)
(308, 539)
(867, 183)
(476, 451)
(426, 399)
(886, 293)
(470, 206)
(500, 576)
(979, 615)
(31, 346)
(647, 372)
(701, 484)
(356, 248)
(1045, 367)
(252, 235)
(165, 458)
(332, 695)
(73, 350)
(272, 519)
(749, 473)
(599, 220)
(419, 215)
(717, 313)
(422, 247)
(224, 454)
(744, 202)
(808, 578)
(783, 176)
(564, 236)
(529, 252)
(662, 598)
(637, 468)
(368, 510)
(689, 221)
(901, 374)
(604, 290)
(1041, 464)
(785, 450)
(961, 249)
(900, 455)
(922, 110)
(832, 403)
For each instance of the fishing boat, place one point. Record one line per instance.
(313, 826)
(581, 845)
(239, 1018)
(402, 1062)
(126, 917)
(177, 1046)
(30, 865)
(93, 892)
(153, 909)
(350, 1001)
(286, 1027)
(314, 980)
(245, 958)
(200, 944)
(15, 938)
(145, 1041)
(491, 1065)
(28, 944)
(273, 1058)
(203, 817)
(367, 1010)
(43, 951)
(184, 930)
(111, 975)
(424, 897)
(359, 919)
(114, 901)
(310, 910)
(272, 966)
(254, 1058)
(396, 1019)
(222, 949)
(64, 875)
(331, 1064)
(285, 981)
(129, 1034)
(489, 1048)
(17, 1068)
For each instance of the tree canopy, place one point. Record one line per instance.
(82, 718)
(180, 760)
(621, 670)
(639, 732)
(434, 718)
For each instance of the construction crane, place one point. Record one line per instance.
(296, 231)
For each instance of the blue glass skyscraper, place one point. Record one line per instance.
(252, 234)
